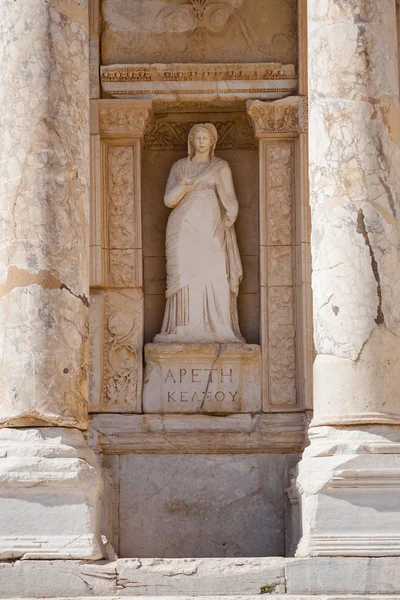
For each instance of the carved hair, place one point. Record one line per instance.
(211, 130)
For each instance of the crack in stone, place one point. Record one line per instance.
(80, 297)
(74, 11)
(361, 229)
(389, 196)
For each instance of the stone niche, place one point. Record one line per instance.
(213, 476)
(165, 141)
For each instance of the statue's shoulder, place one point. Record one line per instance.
(221, 163)
(181, 163)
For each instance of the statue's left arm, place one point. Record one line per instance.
(227, 195)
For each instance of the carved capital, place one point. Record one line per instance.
(289, 115)
(126, 117)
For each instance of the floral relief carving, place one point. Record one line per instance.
(164, 135)
(280, 194)
(282, 347)
(179, 18)
(122, 351)
(123, 268)
(121, 200)
(115, 359)
(130, 120)
(268, 117)
(121, 380)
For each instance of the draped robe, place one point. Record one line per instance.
(204, 269)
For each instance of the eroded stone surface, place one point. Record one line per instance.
(221, 517)
(115, 358)
(215, 576)
(59, 578)
(44, 179)
(49, 495)
(234, 30)
(354, 178)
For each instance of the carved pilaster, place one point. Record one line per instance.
(116, 369)
(281, 128)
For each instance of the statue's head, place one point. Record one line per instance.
(202, 135)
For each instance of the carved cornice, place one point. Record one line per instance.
(289, 115)
(178, 81)
(127, 117)
(196, 72)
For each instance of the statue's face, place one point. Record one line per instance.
(202, 141)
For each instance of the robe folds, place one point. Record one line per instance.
(204, 269)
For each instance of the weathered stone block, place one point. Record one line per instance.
(211, 378)
(193, 576)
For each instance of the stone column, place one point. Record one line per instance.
(349, 476)
(49, 481)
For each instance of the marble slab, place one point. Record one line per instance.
(177, 506)
(202, 378)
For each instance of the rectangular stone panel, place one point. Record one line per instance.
(192, 505)
(207, 378)
(163, 31)
(282, 347)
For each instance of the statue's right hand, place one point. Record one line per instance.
(186, 183)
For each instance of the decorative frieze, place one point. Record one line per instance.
(196, 72)
(175, 81)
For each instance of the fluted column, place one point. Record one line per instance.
(354, 135)
(44, 282)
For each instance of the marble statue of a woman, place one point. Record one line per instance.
(204, 269)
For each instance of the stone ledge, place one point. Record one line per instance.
(340, 575)
(199, 576)
(236, 578)
(274, 596)
(58, 578)
(199, 434)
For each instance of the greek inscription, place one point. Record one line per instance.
(169, 374)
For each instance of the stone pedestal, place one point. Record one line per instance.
(350, 485)
(349, 475)
(49, 481)
(49, 490)
(207, 378)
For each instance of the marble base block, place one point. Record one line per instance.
(202, 378)
(349, 481)
(50, 491)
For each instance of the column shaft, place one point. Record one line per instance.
(44, 184)
(355, 202)
(50, 486)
